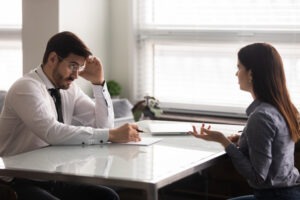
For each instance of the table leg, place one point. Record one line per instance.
(152, 193)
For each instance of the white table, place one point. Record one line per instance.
(141, 167)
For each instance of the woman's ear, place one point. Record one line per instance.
(250, 76)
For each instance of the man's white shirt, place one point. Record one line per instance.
(29, 119)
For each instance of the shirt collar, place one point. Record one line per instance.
(43, 77)
(252, 106)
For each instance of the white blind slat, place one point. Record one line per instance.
(10, 42)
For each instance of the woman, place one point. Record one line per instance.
(264, 153)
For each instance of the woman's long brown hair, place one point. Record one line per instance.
(269, 82)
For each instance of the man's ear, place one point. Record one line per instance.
(52, 58)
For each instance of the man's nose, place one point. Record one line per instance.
(75, 74)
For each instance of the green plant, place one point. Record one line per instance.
(114, 88)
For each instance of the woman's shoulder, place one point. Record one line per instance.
(267, 115)
(266, 109)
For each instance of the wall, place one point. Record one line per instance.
(40, 22)
(122, 55)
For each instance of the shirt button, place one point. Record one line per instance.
(101, 141)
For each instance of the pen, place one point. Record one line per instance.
(139, 130)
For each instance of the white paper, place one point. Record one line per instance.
(145, 141)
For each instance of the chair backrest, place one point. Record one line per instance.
(7, 192)
(2, 97)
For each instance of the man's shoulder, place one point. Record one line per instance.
(26, 83)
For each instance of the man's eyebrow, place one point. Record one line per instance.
(74, 62)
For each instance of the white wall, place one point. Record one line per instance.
(40, 22)
(122, 45)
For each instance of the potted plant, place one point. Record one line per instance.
(114, 88)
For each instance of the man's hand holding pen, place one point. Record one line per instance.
(125, 133)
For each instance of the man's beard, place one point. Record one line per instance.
(60, 80)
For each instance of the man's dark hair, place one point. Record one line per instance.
(64, 43)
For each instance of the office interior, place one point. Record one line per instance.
(106, 26)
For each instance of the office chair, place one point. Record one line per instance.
(2, 97)
(7, 193)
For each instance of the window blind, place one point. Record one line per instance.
(186, 50)
(273, 14)
(10, 42)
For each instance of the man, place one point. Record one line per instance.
(46, 107)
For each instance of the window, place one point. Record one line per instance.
(186, 50)
(10, 42)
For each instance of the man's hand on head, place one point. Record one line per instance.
(93, 71)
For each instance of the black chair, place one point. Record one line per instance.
(7, 193)
(2, 97)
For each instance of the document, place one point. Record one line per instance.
(145, 141)
(170, 128)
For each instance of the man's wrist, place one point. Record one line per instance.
(99, 83)
(110, 134)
